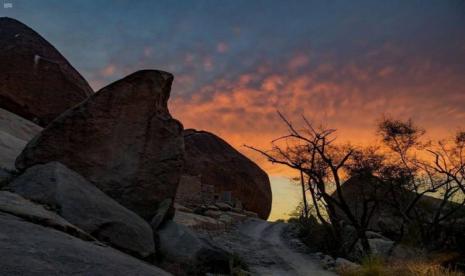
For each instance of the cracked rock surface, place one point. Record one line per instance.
(123, 139)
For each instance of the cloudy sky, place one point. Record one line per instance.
(342, 63)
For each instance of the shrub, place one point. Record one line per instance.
(377, 267)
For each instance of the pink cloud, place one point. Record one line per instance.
(298, 61)
(108, 71)
(222, 47)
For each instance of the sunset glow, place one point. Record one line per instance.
(338, 63)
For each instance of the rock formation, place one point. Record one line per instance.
(36, 81)
(15, 132)
(85, 206)
(30, 249)
(195, 253)
(220, 165)
(122, 139)
(20, 207)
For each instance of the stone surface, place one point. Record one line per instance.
(381, 247)
(213, 214)
(85, 206)
(225, 168)
(164, 212)
(223, 206)
(192, 192)
(122, 139)
(15, 132)
(237, 217)
(182, 208)
(198, 222)
(32, 250)
(251, 214)
(213, 207)
(226, 219)
(36, 82)
(181, 245)
(16, 205)
(341, 263)
(327, 261)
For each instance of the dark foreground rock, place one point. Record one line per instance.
(85, 206)
(37, 82)
(220, 165)
(15, 132)
(122, 139)
(18, 206)
(30, 249)
(184, 248)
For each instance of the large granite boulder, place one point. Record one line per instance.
(219, 164)
(123, 139)
(29, 249)
(36, 81)
(82, 204)
(15, 132)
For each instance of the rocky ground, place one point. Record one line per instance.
(262, 246)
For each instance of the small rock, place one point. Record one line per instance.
(213, 207)
(342, 263)
(327, 261)
(223, 206)
(381, 247)
(236, 216)
(226, 219)
(237, 210)
(213, 214)
(182, 208)
(250, 214)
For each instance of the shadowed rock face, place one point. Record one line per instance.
(122, 139)
(85, 206)
(36, 81)
(29, 249)
(220, 165)
(15, 132)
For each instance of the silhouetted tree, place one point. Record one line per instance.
(312, 152)
(419, 169)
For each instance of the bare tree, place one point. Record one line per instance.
(424, 173)
(313, 153)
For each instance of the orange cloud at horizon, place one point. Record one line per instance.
(350, 98)
(243, 111)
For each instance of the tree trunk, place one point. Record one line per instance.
(304, 194)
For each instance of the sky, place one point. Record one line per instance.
(341, 63)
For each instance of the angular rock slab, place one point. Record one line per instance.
(82, 204)
(32, 250)
(16, 205)
(15, 132)
(122, 139)
(36, 81)
(219, 164)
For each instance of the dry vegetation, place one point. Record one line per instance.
(378, 267)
